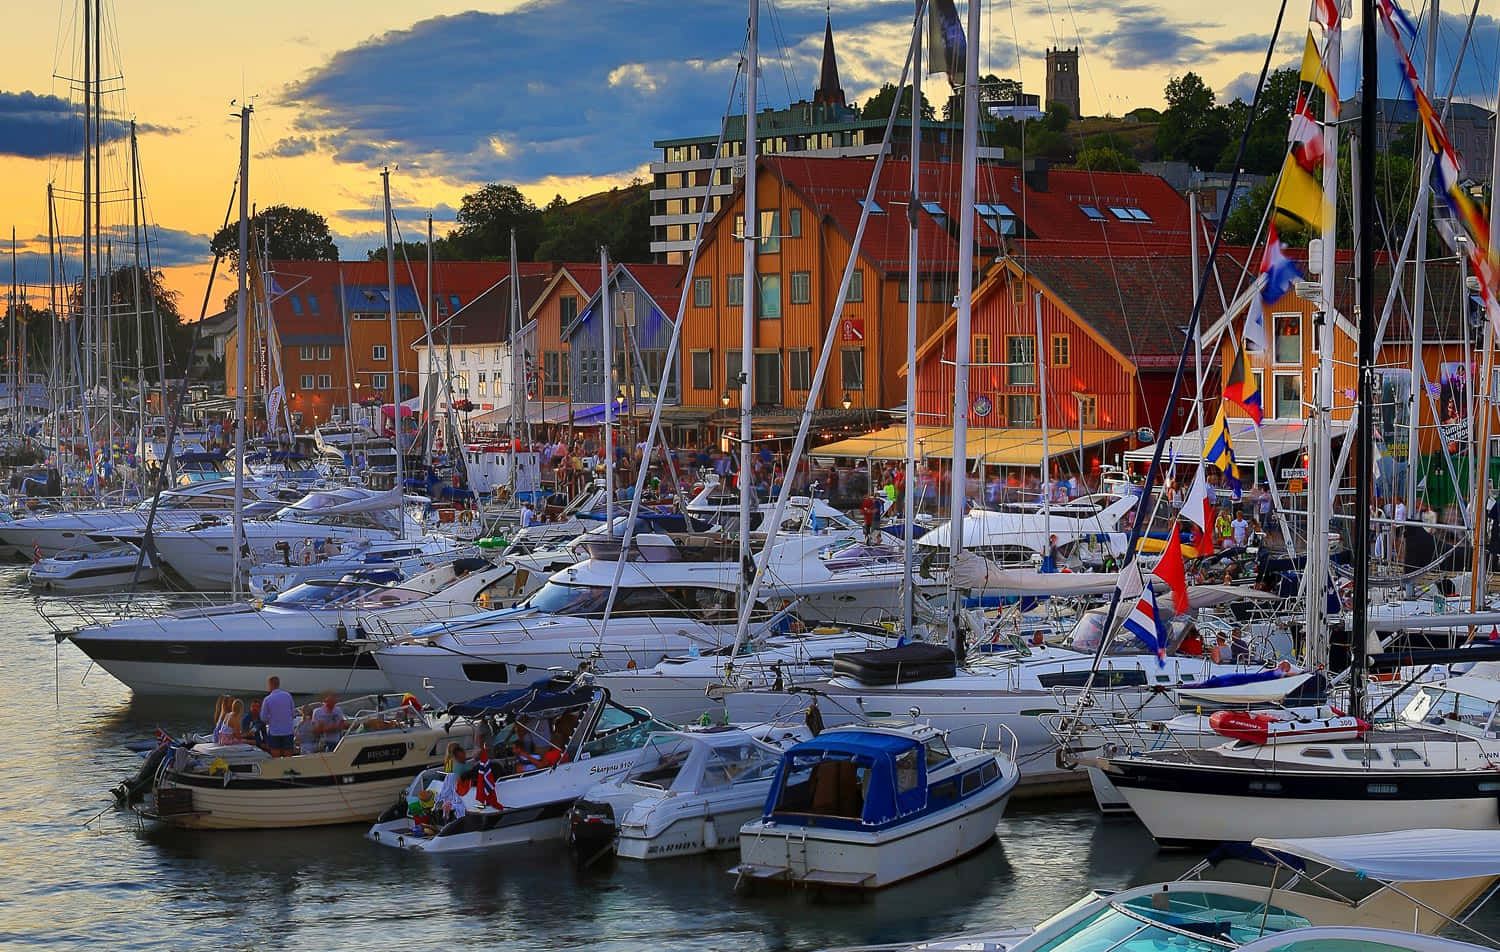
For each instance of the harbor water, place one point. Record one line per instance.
(83, 875)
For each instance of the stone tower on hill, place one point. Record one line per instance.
(1062, 80)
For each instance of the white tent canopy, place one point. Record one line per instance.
(1278, 438)
(1410, 856)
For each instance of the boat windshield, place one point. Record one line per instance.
(1437, 705)
(1178, 921)
(556, 598)
(322, 594)
(389, 598)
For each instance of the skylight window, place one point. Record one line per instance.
(875, 208)
(1093, 213)
(1139, 214)
(296, 303)
(933, 208)
(994, 211)
(1121, 213)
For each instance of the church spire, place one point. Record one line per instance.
(828, 92)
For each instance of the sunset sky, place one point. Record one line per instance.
(557, 96)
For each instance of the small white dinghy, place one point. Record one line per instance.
(91, 569)
(871, 805)
(688, 793)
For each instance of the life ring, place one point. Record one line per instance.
(466, 516)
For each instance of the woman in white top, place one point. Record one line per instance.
(227, 731)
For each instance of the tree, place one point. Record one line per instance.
(1266, 145)
(291, 233)
(879, 105)
(485, 220)
(1192, 129)
(1106, 159)
(619, 220)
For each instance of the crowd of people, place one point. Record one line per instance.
(275, 724)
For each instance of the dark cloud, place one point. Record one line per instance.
(38, 126)
(563, 87)
(290, 147)
(1476, 77)
(1142, 37)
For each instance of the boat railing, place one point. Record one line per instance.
(65, 614)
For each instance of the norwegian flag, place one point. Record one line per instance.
(484, 780)
(1279, 271)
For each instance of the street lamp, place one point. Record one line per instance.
(724, 399)
(848, 400)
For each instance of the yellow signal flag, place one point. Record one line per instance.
(1315, 72)
(1299, 198)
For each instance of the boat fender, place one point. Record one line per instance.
(341, 632)
(466, 516)
(710, 834)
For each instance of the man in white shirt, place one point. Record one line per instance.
(1240, 528)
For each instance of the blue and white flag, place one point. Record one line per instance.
(1145, 623)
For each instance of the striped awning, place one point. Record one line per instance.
(990, 446)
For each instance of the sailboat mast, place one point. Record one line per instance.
(1486, 410)
(140, 344)
(15, 317)
(913, 282)
(1320, 431)
(56, 371)
(86, 281)
(957, 495)
(101, 308)
(431, 348)
(748, 280)
(1365, 460)
(1419, 295)
(517, 392)
(606, 328)
(242, 332)
(390, 287)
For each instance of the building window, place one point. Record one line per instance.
(463, 355)
(1088, 410)
(852, 368)
(453, 302)
(732, 369)
(857, 285)
(1288, 338)
(555, 373)
(703, 292)
(770, 295)
(903, 290)
(379, 352)
(1062, 350)
(312, 304)
(1020, 358)
(801, 287)
(1288, 396)
(799, 370)
(770, 232)
(980, 349)
(307, 381)
(768, 379)
(325, 351)
(482, 385)
(794, 223)
(296, 303)
(734, 290)
(499, 356)
(739, 225)
(567, 308)
(381, 381)
(325, 381)
(1021, 409)
(1093, 213)
(703, 369)
(307, 352)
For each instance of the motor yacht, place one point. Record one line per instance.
(314, 636)
(92, 568)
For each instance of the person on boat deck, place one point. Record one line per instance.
(533, 747)
(227, 730)
(330, 548)
(252, 727)
(306, 741)
(1192, 643)
(329, 722)
(280, 714)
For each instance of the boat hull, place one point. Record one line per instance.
(1190, 808)
(857, 859)
(155, 676)
(686, 836)
(235, 806)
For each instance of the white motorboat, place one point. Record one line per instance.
(676, 594)
(204, 557)
(314, 636)
(1018, 531)
(688, 793)
(576, 737)
(868, 806)
(1434, 767)
(92, 568)
(241, 787)
(1391, 892)
(402, 557)
(54, 533)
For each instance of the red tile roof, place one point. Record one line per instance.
(837, 186)
(662, 281)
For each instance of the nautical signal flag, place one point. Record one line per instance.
(1145, 623)
(945, 40)
(1240, 386)
(1306, 136)
(1220, 448)
(1315, 72)
(1279, 271)
(1171, 569)
(1326, 12)
(1199, 508)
